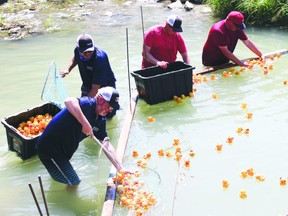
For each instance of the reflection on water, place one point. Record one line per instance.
(200, 123)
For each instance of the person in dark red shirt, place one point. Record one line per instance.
(222, 40)
(162, 42)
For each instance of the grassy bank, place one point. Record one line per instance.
(256, 12)
(22, 18)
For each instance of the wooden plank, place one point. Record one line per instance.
(111, 189)
(230, 64)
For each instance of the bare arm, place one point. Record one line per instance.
(150, 58)
(231, 56)
(94, 90)
(71, 65)
(185, 58)
(73, 106)
(252, 47)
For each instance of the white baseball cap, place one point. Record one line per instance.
(175, 22)
(111, 95)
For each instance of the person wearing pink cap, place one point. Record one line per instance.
(163, 42)
(222, 40)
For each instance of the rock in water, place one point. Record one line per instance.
(108, 13)
(127, 3)
(176, 4)
(188, 6)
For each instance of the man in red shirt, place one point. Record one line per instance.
(222, 40)
(162, 42)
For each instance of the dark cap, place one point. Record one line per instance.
(85, 43)
(237, 19)
(175, 22)
(111, 95)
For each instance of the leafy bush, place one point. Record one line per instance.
(256, 12)
(221, 8)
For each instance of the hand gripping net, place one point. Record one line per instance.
(54, 89)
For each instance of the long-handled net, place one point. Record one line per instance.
(54, 89)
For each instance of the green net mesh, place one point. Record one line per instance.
(54, 89)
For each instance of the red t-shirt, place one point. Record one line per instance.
(164, 46)
(220, 35)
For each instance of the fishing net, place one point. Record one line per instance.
(54, 89)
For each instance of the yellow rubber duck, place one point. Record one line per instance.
(161, 152)
(134, 153)
(243, 194)
(219, 147)
(191, 153)
(225, 183)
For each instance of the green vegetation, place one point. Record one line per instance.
(13, 6)
(2, 19)
(48, 23)
(8, 8)
(256, 12)
(61, 3)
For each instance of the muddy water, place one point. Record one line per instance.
(200, 123)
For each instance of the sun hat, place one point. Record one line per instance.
(175, 22)
(237, 19)
(111, 95)
(85, 43)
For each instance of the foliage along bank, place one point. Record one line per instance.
(256, 12)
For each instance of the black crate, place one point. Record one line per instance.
(22, 145)
(156, 85)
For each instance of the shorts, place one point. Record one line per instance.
(60, 170)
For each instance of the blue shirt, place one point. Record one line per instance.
(96, 70)
(62, 135)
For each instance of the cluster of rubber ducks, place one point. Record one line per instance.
(35, 125)
(249, 115)
(198, 78)
(132, 193)
(182, 97)
(265, 66)
(244, 174)
(262, 63)
(177, 153)
(178, 156)
(239, 130)
(251, 173)
(131, 190)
